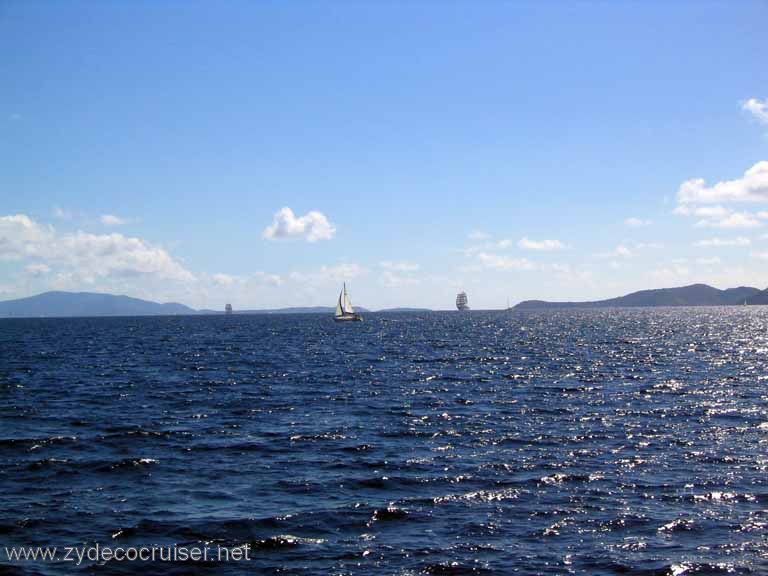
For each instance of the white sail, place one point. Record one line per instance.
(346, 304)
(339, 311)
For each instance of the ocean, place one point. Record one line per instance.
(625, 441)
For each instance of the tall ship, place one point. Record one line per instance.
(344, 310)
(462, 302)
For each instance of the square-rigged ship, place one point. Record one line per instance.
(462, 302)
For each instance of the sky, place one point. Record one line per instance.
(264, 153)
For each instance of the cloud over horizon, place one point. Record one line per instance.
(541, 245)
(498, 262)
(87, 255)
(758, 109)
(111, 220)
(751, 187)
(633, 222)
(709, 204)
(723, 242)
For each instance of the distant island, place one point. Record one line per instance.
(68, 304)
(693, 295)
(53, 304)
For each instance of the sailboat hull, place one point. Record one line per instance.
(348, 318)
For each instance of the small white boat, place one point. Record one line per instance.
(344, 310)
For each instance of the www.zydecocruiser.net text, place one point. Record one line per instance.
(97, 553)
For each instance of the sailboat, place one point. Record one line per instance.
(344, 310)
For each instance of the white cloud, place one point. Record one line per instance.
(622, 251)
(732, 220)
(62, 214)
(674, 275)
(717, 211)
(752, 187)
(472, 250)
(21, 237)
(329, 274)
(708, 261)
(230, 281)
(111, 220)
(313, 226)
(504, 263)
(83, 254)
(758, 109)
(760, 255)
(723, 242)
(37, 269)
(265, 278)
(648, 245)
(478, 235)
(109, 254)
(718, 216)
(485, 244)
(541, 245)
(636, 222)
(391, 279)
(223, 279)
(398, 274)
(401, 266)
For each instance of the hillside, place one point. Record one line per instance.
(87, 304)
(693, 295)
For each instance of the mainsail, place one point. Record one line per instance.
(346, 303)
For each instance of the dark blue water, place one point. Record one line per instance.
(600, 442)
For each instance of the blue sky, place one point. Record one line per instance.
(514, 150)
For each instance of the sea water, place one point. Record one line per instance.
(627, 441)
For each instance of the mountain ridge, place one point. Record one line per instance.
(691, 295)
(67, 304)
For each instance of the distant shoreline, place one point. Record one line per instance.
(692, 295)
(94, 305)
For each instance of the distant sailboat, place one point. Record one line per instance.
(344, 310)
(462, 302)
